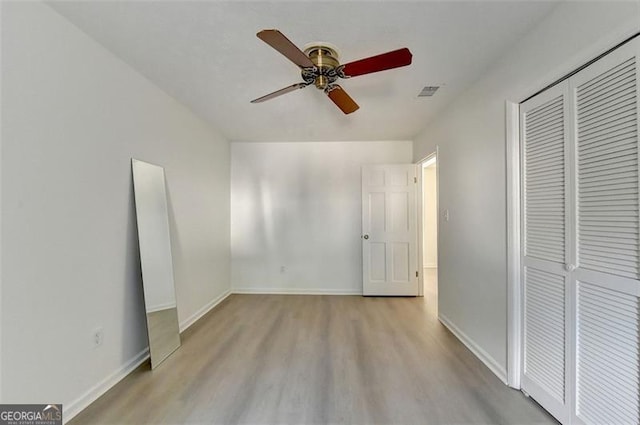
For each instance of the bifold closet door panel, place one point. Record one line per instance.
(607, 353)
(606, 291)
(544, 134)
(607, 145)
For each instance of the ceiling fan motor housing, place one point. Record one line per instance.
(325, 59)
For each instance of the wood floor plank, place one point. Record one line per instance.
(289, 359)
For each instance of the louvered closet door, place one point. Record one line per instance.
(605, 285)
(544, 137)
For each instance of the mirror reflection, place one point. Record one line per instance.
(152, 216)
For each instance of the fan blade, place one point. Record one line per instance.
(342, 99)
(389, 60)
(278, 41)
(280, 92)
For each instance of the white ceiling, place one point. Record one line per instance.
(207, 56)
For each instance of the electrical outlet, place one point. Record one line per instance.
(97, 337)
(283, 269)
(446, 215)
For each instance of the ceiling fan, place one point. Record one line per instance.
(319, 65)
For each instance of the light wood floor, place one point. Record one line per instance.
(285, 359)
(431, 288)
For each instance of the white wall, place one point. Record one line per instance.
(429, 217)
(470, 134)
(298, 205)
(72, 117)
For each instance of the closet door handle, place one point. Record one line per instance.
(569, 267)
(366, 236)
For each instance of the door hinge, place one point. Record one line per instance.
(415, 180)
(416, 274)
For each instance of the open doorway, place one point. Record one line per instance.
(429, 225)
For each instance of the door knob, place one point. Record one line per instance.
(569, 267)
(366, 236)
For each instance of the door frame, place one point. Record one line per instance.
(420, 200)
(513, 188)
(514, 274)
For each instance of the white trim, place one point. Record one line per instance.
(159, 307)
(489, 361)
(426, 161)
(438, 227)
(428, 156)
(420, 225)
(184, 325)
(430, 161)
(514, 285)
(296, 291)
(251, 141)
(70, 410)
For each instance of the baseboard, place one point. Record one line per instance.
(184, 325)
(295, 291)
(72, 409)
(489, 361)
(77, 406)
(164, 306)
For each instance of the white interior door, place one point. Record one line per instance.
(389, 230)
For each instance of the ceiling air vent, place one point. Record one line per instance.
(428, 91)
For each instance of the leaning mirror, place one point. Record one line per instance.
(152, 216)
